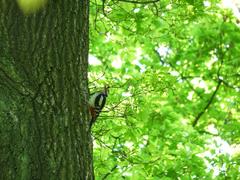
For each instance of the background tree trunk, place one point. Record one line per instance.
(43, 92)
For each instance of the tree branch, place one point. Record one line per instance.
(139, 2)
(106, 175)
(184, 78)
(208, 104)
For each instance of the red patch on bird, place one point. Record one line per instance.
(93, 112)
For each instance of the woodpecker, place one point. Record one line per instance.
(97, 102)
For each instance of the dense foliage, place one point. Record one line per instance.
(174, 71)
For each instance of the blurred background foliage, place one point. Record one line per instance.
(173, 67)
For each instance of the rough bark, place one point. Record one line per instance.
(43, 92)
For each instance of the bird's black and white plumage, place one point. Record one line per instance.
(97, 102)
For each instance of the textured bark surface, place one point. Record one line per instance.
(44, 91)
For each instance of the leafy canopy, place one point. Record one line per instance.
(173, 109)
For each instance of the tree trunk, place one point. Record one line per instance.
(44, 123)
